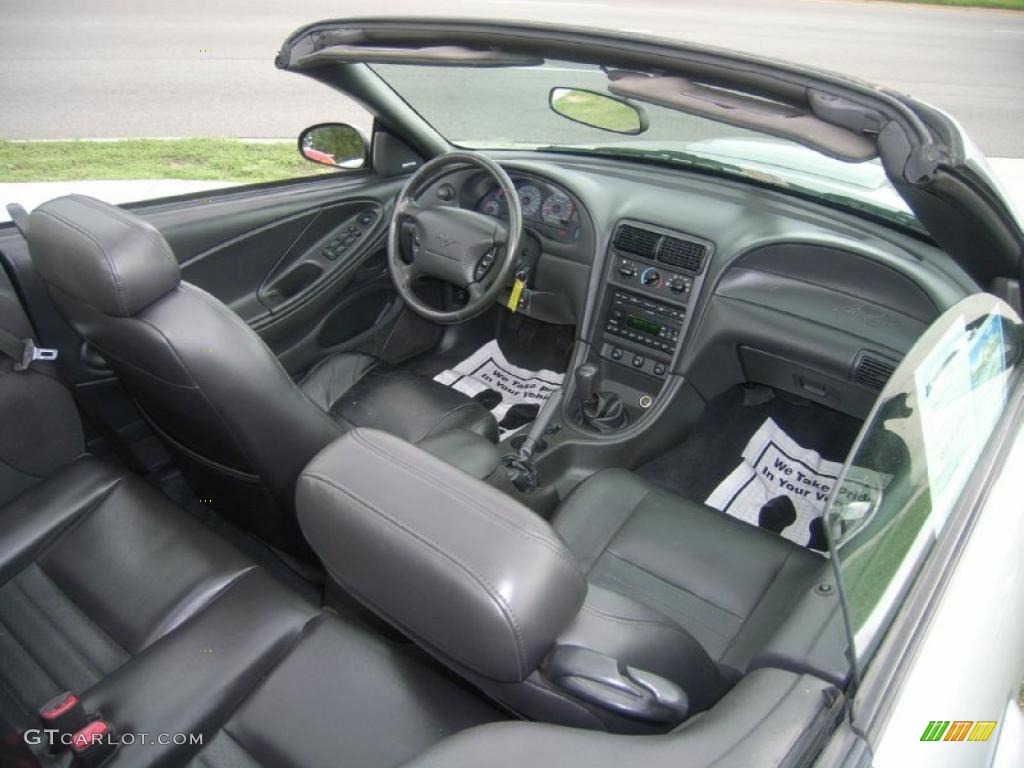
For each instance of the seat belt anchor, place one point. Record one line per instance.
(31, 353)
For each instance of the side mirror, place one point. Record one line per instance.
(598, 110)
(335, 145)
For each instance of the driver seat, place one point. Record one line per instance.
(240, 428)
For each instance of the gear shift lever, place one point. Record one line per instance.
(601, 411)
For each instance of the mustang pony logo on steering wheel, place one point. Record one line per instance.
(444, 241)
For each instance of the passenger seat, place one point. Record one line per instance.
(729, 583)
(636, 610)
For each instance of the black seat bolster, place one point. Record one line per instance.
(36, 517)
(193, 679)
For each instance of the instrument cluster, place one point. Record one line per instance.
(546, 208)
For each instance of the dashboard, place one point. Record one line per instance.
(673, 277)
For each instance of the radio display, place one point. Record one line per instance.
(643, 324)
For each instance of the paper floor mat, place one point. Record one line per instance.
(780, 486)
(487, 369)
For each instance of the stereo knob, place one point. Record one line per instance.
(650, 277)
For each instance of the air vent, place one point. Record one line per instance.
(639, 242)
(682, 254)
(872, 372)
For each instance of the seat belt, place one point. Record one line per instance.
(23, 351)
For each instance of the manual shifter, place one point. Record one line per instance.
(601, 411)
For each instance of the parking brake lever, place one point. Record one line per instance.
(521, 469)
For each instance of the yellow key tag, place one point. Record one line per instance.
(513, 297)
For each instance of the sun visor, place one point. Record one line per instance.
(438, 55)
(775, 118)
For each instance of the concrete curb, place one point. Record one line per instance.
(31, 194)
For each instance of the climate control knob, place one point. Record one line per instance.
(650, 277)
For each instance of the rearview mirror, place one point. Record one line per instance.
(598, 110)
(335, 145)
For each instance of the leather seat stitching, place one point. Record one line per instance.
(12, 696)
(768, 586)
(673, 584)
(638, 623)
(626, 589)
(93, 671)
(69, 524)
(622, 523)
(493, 593)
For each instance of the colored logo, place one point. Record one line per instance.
(958, 730)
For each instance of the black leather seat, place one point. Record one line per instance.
(211, 388)
(727, 583)
(631, 575)
(111, 592)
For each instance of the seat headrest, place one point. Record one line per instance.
(101, 254)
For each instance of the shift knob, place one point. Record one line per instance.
(586, 382)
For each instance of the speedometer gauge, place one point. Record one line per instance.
(529, 199)
(558, 209)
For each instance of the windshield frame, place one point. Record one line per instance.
(679, 158)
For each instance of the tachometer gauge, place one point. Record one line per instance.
(494, 204)
(529, 199)
(558, 209)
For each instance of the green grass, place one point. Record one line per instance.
(201, 159)
(1013, 5)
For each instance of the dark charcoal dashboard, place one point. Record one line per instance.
(672, 276)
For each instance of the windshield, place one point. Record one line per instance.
(508, 108)
(914, 456)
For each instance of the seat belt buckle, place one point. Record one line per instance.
(63, 714)
(31, 353)
(93, 744)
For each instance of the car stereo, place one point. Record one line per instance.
(645, 321)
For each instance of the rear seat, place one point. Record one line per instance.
(110, 591)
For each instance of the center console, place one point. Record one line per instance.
(652, 279)
(653, 275)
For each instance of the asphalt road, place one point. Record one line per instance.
(108, 68)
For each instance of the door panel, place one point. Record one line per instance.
(230, 269)
(301, 262)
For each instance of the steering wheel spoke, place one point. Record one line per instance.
(501, 234)
(408, 208)
(410, 270)
(476, 290)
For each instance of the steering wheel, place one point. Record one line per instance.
(449, 243)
